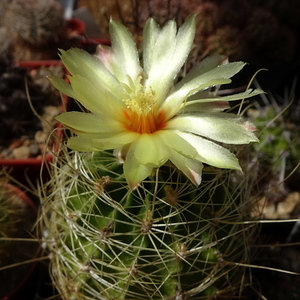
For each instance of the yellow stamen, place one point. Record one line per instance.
(141, 114)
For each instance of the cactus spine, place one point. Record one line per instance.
(165, 240)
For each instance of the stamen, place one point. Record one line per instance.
(141, 115)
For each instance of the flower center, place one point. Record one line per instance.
(141, 114)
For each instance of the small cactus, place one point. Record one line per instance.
(32, 29)
(278, 153)
(35, 22)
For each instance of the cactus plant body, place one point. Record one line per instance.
(131, 220)
(165, 240)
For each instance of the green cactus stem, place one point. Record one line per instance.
(165, 240)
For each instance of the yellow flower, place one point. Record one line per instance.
(142, 114)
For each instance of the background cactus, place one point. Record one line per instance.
(34, 22)
(17, 245)
(165, 240)
(277, 121)
(32, 30)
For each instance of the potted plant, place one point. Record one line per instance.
(28, 108)
(18, 246)
(143, 207)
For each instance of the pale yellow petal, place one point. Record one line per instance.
(150, 151)
(211, 153)
(205, 72)
(61, 85)
(191, 168)
(200, 107)
(226, 128)
(200, 78)
(176, 100)
(172, 140)
(164, 52)
(200, 97)
(79, 143)
(125, 58)
(116, 140)
(134, 171)
(79, 62)
(89, 123)
(95, 99)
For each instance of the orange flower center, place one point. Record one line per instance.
(141, 115)
(144, 123)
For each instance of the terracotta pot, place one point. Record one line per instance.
(75, 25)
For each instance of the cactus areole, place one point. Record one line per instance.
(138, 109)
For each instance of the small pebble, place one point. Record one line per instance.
(48, 122)
(22, 152)
(34, 149)
(50, 112)
(41, 136)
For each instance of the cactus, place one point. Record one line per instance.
(37, 23)
(33, 30)
(142, 217)
(165, 240)
(278, 153)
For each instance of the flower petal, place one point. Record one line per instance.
(199, 106)
(62, 85)
(89, 123)
(196, 81)
(195, 104)
(211, 153)
(191, 168)
(79, 143)
(175, 102)
(125, 59)
(212, 67)
(150, 151)
(206, 101)
(226, 128)
(95, 99)
(115, 141)
(134, 171)
(198, 97)
(105, 54)
(79, 62)
(164, 53)
(171, 139)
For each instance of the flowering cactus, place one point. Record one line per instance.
(129, 219)
(139, 111)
